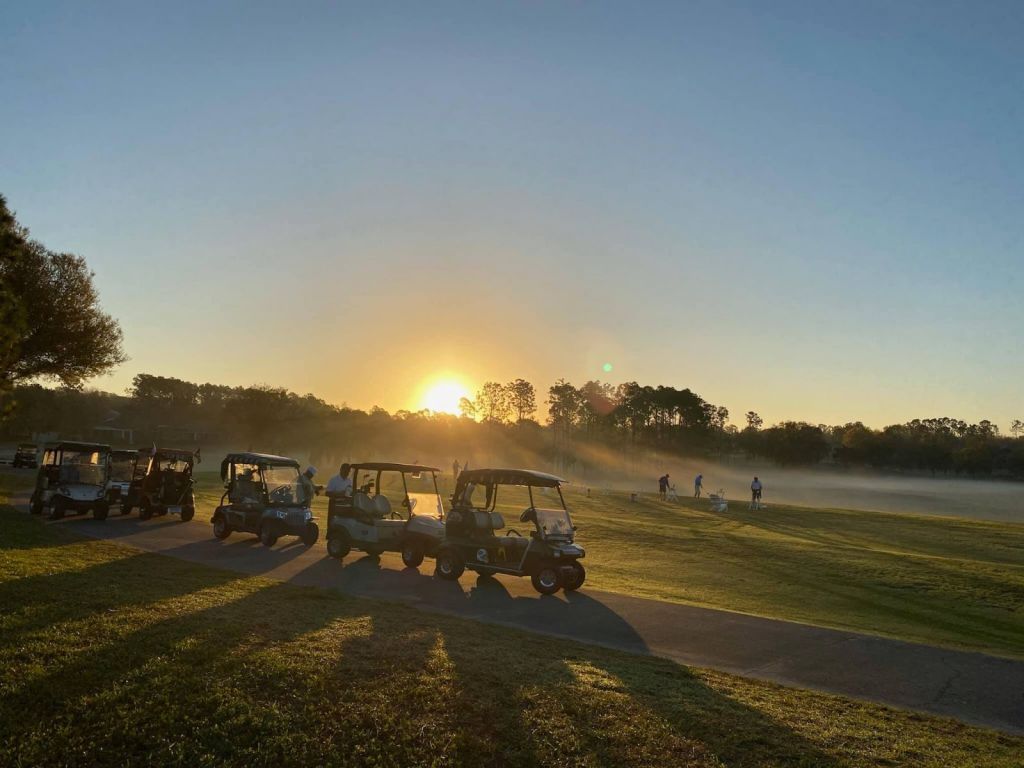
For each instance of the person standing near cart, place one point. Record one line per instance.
(755, 494)
(663, 486)
(340, 486)
(698, 486)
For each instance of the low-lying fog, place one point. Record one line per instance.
(818, 487)
(978, 499)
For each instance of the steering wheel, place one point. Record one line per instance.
(514, 532)
(525, 517)
(277, 492)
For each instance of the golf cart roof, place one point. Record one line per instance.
(26, 446)
(74, 446)
(508, 477)
(261, 459)
(123, 453)
(174, 453)
(384, 466)
(258, 458)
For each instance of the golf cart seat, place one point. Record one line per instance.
(382, 506)
(508, 542)
(363, 505)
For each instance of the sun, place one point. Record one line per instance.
(443, 395)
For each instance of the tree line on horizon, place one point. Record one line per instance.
(626, 417)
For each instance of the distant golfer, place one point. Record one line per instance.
(755, 494)
(663, 486)
(698, 486)
(455, 469)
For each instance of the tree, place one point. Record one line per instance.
(260, 413)
(1017, 428)
(492, 402)
(754, 421)
(467, 408)
(13, 244)
(162, 389)
(563, 406)
(522, 398)
(63, 334)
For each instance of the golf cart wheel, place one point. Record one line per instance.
(57, 509)
(412, 555)
(338, 546)
(546, 579)
(145, 510)
(267, 536)
(449, 565)
(187, 513)
(311, 534)
(221, 529)
(35, 507)
(100, 511)
(575, 581)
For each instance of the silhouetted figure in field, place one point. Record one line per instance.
(663, 486)
(698, 486)
(755, 494)
(455, 469)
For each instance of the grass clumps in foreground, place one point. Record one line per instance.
(113, 656)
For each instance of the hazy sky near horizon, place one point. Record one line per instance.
(812, 210)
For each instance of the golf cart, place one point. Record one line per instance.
(393, 508)
(72, 478)
(122, 472)
(546, 554)
(165, 486)
(130, 500)
(25, 456)
(264, 495)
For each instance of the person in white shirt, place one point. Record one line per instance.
(755, 493)
(339, 485)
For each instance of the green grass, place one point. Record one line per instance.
(112, 656)
(942, 581)
(936, 580)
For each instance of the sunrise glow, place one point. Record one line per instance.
(443, 395)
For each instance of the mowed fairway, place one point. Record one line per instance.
(111, 656)
(935, 580)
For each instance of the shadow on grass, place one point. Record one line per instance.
(224, 668)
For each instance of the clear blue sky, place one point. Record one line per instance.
(812, 210)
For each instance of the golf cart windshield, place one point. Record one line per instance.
(284, 486)
(175, 464)
(553, 522)
(122, 468)
(424, 498)
(84, 468)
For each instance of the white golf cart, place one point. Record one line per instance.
(393, 508)
(72, 479)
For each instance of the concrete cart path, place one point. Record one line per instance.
(972, 687)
